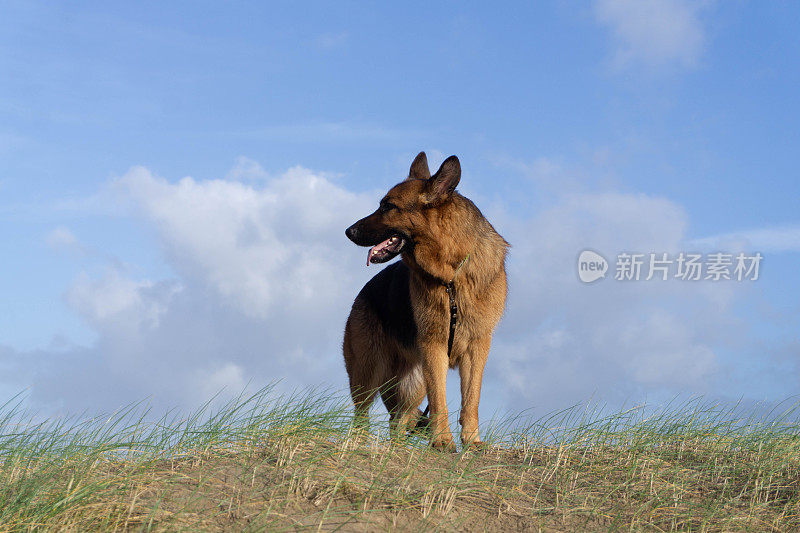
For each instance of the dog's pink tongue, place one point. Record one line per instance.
(378, 247)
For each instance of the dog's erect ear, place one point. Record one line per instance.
(419, 168)
(444, 182)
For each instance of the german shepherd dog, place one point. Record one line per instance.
(435, 309)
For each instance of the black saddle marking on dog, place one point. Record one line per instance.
(387, 293)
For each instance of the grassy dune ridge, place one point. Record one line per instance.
(270, 462)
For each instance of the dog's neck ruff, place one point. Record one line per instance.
(450, 287)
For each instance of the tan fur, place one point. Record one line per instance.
(445, 228)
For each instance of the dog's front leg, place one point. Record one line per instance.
(434, 368)
(470, 369)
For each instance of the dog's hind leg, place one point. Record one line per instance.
(362, 399)
(402, 398)
(364, 377)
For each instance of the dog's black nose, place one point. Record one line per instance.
(351, 232)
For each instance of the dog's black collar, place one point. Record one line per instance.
(451, 294)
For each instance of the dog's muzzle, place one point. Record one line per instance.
(352, 233)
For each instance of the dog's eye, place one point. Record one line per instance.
(387, 206)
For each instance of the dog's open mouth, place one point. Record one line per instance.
(382, 252)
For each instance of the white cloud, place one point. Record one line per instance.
(264, 250)
(653, 33)
(774, 239)
(228, 377)
(562, 341)
(62, 238)
(246, 169)
(115, 300)
(265, 281)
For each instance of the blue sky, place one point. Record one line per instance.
(679, 118)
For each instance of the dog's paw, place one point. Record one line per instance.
(476, 446)
(443, 444)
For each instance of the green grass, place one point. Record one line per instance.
(267, 462)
